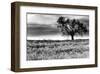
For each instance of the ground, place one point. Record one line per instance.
(57, 49)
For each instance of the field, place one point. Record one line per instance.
(57, 49)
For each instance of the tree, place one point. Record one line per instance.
(71, 27)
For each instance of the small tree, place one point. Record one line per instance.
(71, 27)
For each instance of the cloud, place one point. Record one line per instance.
(41, 19)
(42, 30)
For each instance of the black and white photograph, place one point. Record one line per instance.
(53, 36)
(57, 36)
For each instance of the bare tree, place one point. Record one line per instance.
(71, 27)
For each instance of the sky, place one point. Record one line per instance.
(43, 26)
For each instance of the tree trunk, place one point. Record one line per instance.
(72, 37)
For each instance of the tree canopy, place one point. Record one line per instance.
(71, 26)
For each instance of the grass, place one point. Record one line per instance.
(57, 49)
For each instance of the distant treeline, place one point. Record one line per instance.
(41, 41)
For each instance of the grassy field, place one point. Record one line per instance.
(57, 49)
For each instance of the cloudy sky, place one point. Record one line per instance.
(43, 25)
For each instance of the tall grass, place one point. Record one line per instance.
(57, 49)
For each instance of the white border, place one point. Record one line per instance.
(49, 63)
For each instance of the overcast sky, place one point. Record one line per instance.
(50, 19)
(39, 25)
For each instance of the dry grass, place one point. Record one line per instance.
(63, 49)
